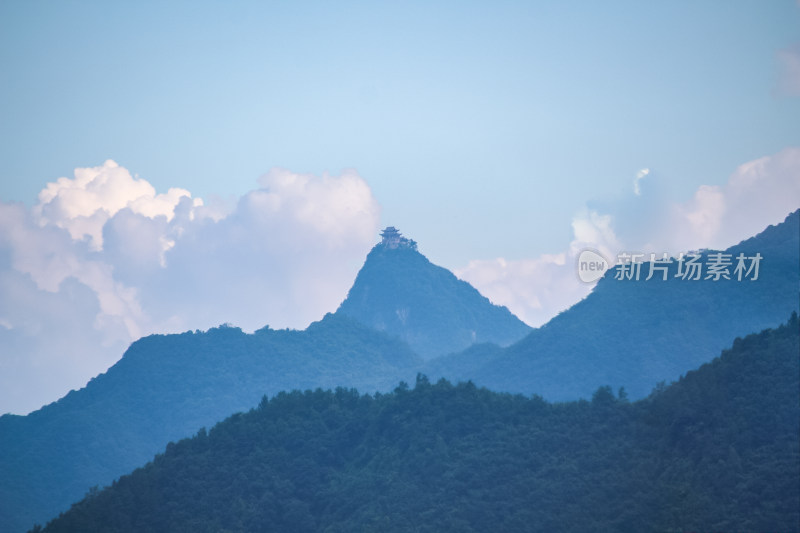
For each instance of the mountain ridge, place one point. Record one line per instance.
(615, 334)
(166, 387)
(715, 451)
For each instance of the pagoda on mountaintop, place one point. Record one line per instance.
(391, 238)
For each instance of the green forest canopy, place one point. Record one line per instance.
(715, 451)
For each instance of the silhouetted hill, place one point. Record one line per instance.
(167, 387)
(637, 333)
(717, 451)
(399, 291)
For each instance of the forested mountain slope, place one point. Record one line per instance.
(166, 387)
(716, 451)
(637, 333)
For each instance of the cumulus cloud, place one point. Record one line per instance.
(757, 194)
(533, 289)
(114, 260)
(82, 205)
(537, 289)
(102, 258)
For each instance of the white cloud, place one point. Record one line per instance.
(533, 289)
(593, 230)
(757, 194)
(537, 289)
(84, 204)
(333, 208)
(639, 177)
(102, 259)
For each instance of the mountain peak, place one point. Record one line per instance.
(399, 291)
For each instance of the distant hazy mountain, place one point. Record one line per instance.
(167, 387)
(402, 293)
(717, 451)
(638, 333)
(630, 334)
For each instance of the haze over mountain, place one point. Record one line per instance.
(717, 451)
(637, 333)
(167, 387)
(399, 291)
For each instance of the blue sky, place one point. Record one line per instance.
(481, 127)
(499, 135)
